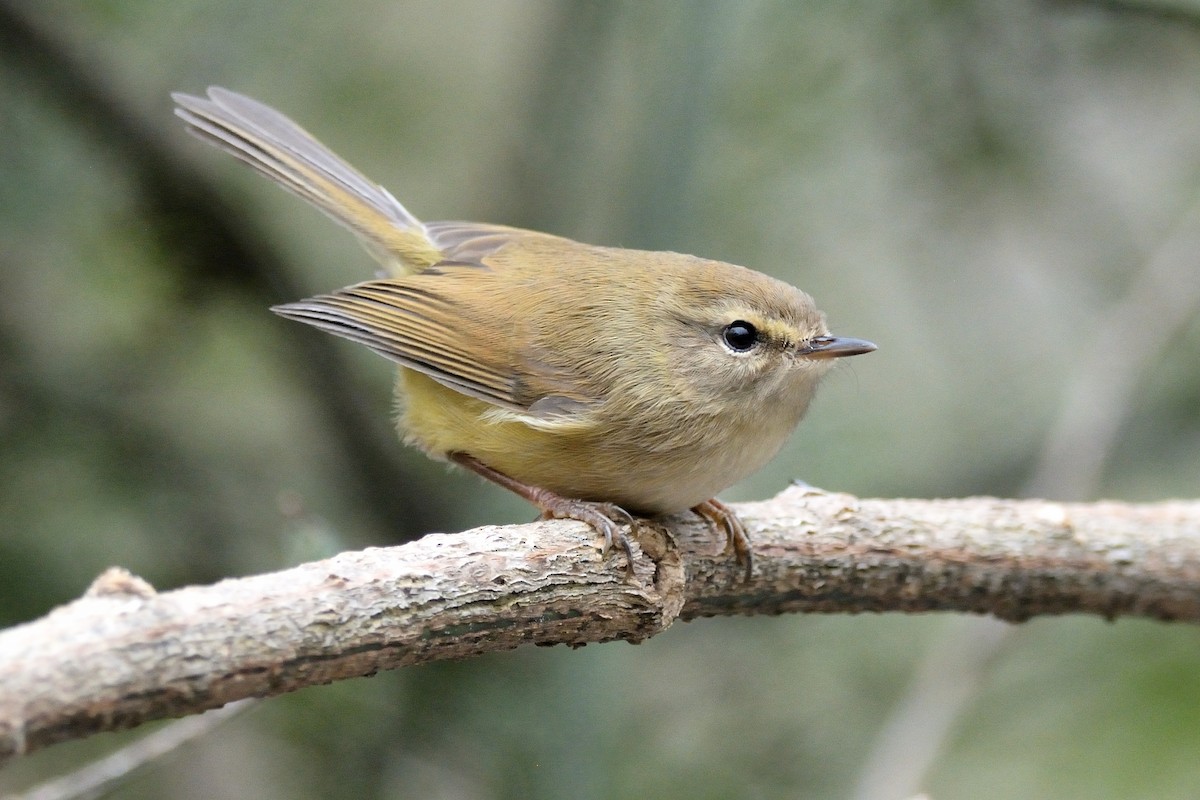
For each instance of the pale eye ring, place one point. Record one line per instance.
(740, 336)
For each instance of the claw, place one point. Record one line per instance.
(607, 518)
(723, 517)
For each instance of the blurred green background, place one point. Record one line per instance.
(1002, 195)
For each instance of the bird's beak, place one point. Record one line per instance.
(835, 347)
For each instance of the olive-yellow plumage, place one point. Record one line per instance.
(594, 381)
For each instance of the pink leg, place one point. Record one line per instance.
(607, 518)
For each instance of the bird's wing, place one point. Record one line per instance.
(446, 324)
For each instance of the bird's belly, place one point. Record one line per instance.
(644, 471)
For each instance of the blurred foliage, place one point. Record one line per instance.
(972, 185)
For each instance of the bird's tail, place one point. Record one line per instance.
(287, 154)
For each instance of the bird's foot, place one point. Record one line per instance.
(607, 518)
(736, 539)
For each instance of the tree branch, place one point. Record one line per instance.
(123, 655)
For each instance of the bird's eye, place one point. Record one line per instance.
(740, 336)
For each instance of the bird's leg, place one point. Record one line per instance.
(725, 520)
(607, 518)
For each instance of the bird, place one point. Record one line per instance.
(601, 384)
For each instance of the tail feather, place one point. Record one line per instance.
(283, 151)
